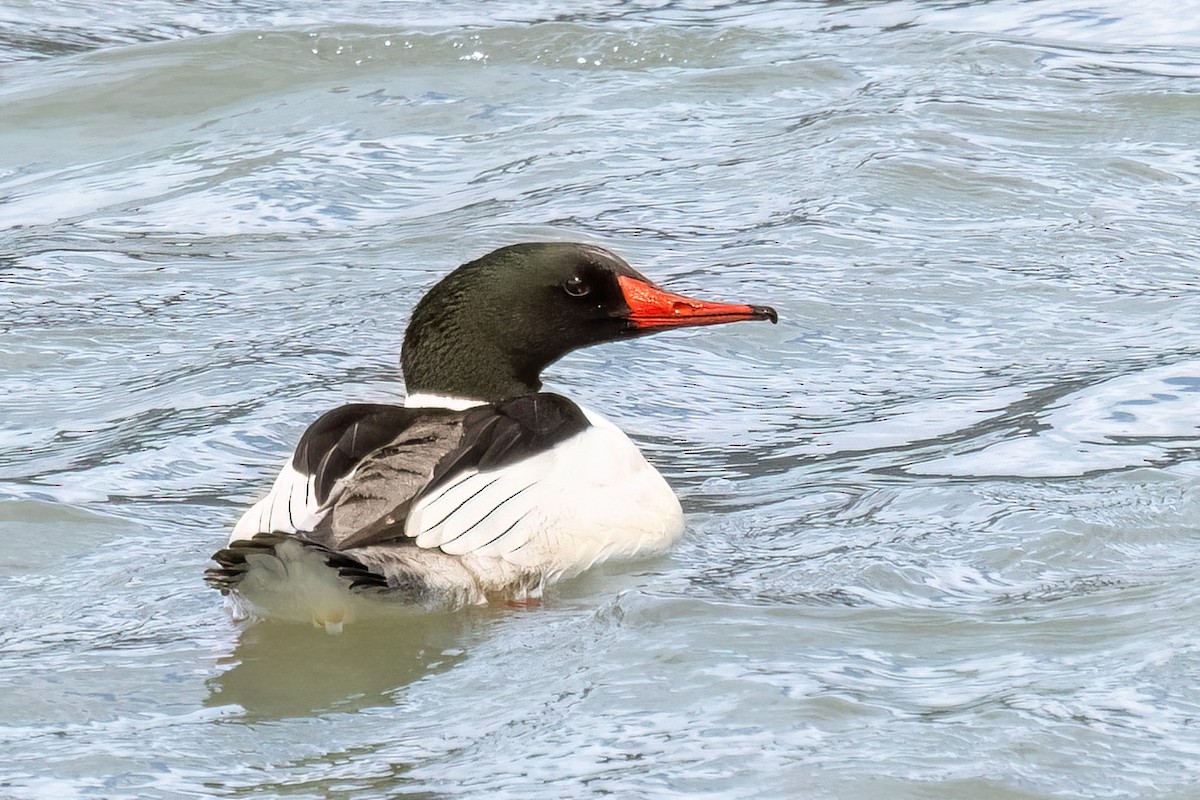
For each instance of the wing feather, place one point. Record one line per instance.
(460, 482)
(485, 490)
(331, 449)
(371, 504)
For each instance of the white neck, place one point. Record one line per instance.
(421, 400)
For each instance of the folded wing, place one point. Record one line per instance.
(368, 480)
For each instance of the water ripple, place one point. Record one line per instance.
(941, 518)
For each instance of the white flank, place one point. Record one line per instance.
(589, 499)
(290, 506)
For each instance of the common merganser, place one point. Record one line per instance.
(480, 486)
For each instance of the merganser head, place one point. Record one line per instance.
(488, 329)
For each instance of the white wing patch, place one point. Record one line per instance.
(290, 506)
(481, 512)
(590, 498)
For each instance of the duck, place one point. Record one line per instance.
(479, 487)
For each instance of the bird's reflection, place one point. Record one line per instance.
(285, 670)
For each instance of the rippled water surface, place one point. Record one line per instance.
(944, 519)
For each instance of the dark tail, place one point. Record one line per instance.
(232, 565)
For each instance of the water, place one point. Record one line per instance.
(943, 519)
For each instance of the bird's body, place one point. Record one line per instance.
(480, 486)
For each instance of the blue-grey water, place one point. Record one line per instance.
(944, 519)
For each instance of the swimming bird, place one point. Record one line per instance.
(480, 486)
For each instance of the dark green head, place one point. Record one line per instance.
(488, 329)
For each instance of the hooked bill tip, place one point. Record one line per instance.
(765, 312)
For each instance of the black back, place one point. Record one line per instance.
(500, 434)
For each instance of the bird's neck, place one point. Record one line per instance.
(474, 370)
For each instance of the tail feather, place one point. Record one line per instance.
(235, 562)
(289, 577)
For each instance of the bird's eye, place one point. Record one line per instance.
(576, 287)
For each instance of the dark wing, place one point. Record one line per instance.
(335, 444)
(327, 452)
(439, 453)
(368, 502)
(350, 468)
